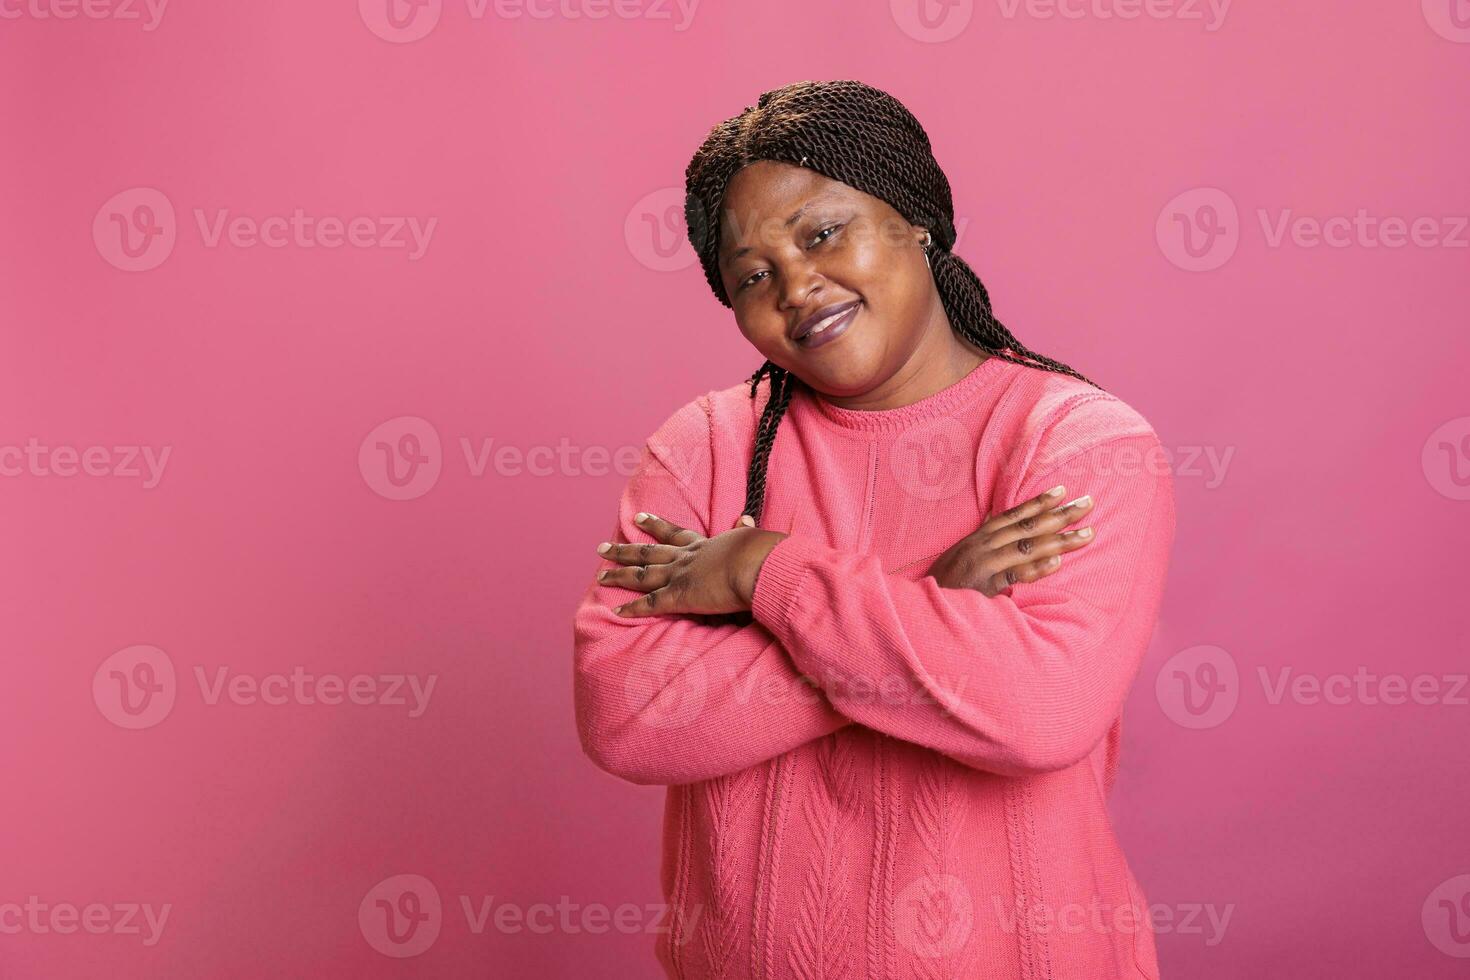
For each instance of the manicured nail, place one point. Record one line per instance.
(1056, 491)
(1082, 501)
(1084, 532)
(602, 576)
(1053, 561)
(604, 548)
(640, 518)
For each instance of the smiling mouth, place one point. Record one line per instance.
(813, 327)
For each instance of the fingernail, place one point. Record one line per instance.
(602, 576)
(640, 518)
(1082, 501)
(604, 548)
(1056, 491)
(1053, 561)
(1084, 532)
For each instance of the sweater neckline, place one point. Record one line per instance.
(942, 402)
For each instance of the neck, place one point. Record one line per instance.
(942, 358)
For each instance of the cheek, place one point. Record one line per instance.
(764, 330)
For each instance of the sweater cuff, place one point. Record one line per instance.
(778, 583)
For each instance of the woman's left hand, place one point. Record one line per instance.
(685, 572)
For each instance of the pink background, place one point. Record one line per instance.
(545, 313)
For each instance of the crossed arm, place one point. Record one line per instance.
(1008, 681)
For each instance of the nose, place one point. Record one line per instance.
(799, 281)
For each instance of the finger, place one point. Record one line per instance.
(1033, 525)
(646, 553)
(666, 531)
(745, 521)
(659, 602)
(1029, 572)
(1042, 557)
(1024, 550)
(1027, 508)
(642, 578)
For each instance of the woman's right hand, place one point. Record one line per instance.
(1022, 544)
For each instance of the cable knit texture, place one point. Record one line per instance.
(870, 775)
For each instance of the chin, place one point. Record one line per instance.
(840, 376)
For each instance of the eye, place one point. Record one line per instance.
(832, 228)
(749, 281)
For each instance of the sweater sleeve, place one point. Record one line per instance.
(1026, 681)
(679, 699)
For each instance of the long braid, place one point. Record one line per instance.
(865, 138)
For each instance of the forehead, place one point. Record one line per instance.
(767, 194)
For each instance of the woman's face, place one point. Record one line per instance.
(844, 248)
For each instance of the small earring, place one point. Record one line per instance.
(928, 240)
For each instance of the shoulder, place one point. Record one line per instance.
(1049, 416)
(716, 424)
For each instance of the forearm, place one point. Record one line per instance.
(1008, 684)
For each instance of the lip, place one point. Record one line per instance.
(805, 326)
(837, 329)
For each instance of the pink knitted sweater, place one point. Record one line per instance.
(870, 775)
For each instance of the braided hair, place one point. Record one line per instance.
(865, 138)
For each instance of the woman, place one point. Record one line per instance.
(885, 704)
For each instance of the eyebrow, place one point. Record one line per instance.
(819, 199)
